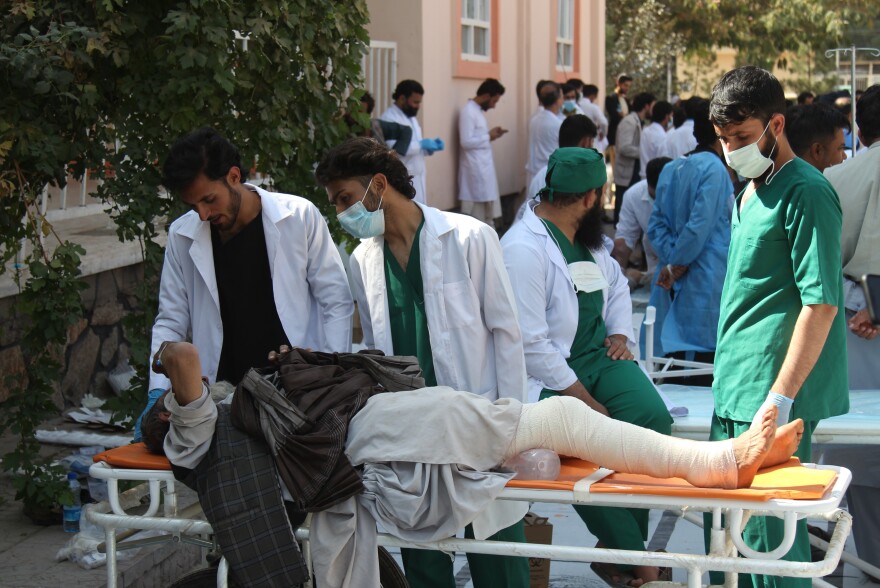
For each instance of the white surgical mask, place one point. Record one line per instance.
(360, 222)
(587, 276)
(748, 161)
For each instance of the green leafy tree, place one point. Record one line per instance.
(784, 33)
(107, 85)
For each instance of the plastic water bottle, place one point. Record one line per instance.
(534, 464)
(72, 512)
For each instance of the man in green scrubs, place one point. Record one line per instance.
(781, 333)
(432, 284)
(576, 318)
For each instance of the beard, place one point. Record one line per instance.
(589, 232)
(410, 111)
(233, 210)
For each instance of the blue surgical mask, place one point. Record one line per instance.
(569, 106)
(360, 222)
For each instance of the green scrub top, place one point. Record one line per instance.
(588, 346)
(784, 254)
(406, 308)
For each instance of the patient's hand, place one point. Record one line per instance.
(275, 357)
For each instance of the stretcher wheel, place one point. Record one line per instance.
(390, 575)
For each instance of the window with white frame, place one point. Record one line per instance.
(476, 30)
(565, 34)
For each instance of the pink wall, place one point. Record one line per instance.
(425, 32)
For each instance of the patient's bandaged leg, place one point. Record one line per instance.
(566, 425)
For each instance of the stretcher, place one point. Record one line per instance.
(790, 492)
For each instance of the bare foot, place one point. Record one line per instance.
(751, 448)
(788, 436)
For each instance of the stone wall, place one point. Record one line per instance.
(95, 344)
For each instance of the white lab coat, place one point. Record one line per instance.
(652, 146)
(472, 322)
(547, 303)
(311, 290)
(414, 160)
(476, 168)
(543, 140)
(681, 141)
(635, 214)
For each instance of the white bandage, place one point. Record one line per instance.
(569, 427)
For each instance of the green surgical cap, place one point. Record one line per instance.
(574, 170)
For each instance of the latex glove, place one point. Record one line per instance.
(782, 403)
(152, 397)
(429, 145)
(440, 144)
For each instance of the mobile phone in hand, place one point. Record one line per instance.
(871, 286)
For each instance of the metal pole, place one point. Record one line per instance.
(855, 126)
(854, 50)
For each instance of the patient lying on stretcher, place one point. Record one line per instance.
(563, 424)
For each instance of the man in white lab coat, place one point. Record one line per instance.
(544, 129)
(680, 141)
(653, 143)
(575, 315)
(477, 183)
(246, 270)
(432, 284)
(407, 102)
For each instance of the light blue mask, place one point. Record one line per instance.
(569, 106)
(360, 222)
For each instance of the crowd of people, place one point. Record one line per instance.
(752, 255)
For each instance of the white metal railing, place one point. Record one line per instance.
(379, 66)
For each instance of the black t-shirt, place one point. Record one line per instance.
(251, 326)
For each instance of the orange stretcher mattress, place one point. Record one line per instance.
(789, 480)
(134, 456)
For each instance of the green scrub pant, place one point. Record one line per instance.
(622, 388)
(765, 533)
(433, 569)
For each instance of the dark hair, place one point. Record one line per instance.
(623, 78)
(574, 128)
(693, 105)
(642, 100)
(803, 96)
(368, 99)
(407, 88)
(678, 116)
(868, 113)
(204, 151)
(590, 90)
(661, 110)
(568, 87)
(746, 92)
(806, 124)
(577, 82)
(550, 93)
(361, 158)
(540, 86)
(653, 169)
(704, 132)
(154, 428)
(492, 87)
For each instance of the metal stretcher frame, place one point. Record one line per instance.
(662, 367)
(726, 540)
